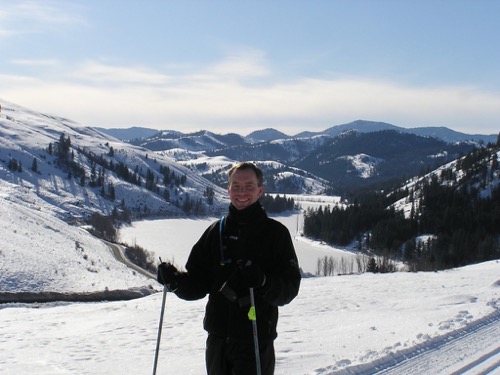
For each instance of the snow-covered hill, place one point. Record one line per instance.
(42, 200)
(438, 132)
(26, 138)
(335, 155)
(346, 162)
(279, 178)
(198, 141)
(39, 252)
(362, 126)
(478, 171)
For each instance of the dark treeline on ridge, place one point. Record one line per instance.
(452, 219)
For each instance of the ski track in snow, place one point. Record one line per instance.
(471, 350)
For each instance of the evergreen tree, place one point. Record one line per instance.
(209, 194)
(34, 165)
(372, 266)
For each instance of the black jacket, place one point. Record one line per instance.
(246, 235)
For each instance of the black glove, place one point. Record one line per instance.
(252, 276)
(168, 275)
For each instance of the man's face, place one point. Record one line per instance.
(244, 189)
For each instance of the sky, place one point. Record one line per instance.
(240, 66)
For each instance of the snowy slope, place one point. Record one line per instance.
(25, 136)
(457, 176)
(39, 252)
(40, 248)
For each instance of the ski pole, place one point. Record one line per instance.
(160, 325)
(253, 317)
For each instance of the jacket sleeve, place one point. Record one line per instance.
(283, 279)
(195, 282)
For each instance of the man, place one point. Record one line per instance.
(244, 250)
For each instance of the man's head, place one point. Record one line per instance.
(245, 185)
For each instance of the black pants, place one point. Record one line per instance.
(229, 357)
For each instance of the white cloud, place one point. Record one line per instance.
(105, 74)
(36, 17)
(239, 95)
(242, 65)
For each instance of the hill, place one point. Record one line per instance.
(55, 176)
(348, 157)
(79, 170)
(356, 160)
(446, 218)
(129, 134)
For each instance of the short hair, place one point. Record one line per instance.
(244, 166)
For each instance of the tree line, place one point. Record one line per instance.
(451, 207)
(275, 204)
(163, 182)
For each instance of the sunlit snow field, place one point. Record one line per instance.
(334, 322)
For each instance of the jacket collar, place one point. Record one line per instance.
(247, 215)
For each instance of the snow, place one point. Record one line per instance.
(179, 243)
(364, 164)
(334, 323)
(39, 252)
(25, 136)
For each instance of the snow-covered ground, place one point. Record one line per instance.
(335, 324)
(39, 252)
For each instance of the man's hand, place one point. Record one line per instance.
(252, 276)
(168, 275)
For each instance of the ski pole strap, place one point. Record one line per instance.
(221, 229)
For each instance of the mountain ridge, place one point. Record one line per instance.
(363, 126)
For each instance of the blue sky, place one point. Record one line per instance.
(238, 66)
